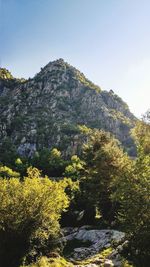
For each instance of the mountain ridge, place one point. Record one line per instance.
(45, 111)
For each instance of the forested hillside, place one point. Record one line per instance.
(74, 174)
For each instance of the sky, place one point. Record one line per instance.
(107, 40)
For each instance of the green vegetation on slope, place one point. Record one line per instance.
(103, 179)
(5, 74)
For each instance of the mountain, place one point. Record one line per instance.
(45, 111)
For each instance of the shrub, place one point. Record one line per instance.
(29, 214)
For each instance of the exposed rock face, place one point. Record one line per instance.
(98, 240)
(91, 242)
(45, 111)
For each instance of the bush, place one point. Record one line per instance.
(29, 215)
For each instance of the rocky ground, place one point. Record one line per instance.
(87, 247)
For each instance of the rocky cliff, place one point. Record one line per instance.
(45, 111)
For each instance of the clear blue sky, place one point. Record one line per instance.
(108, 40)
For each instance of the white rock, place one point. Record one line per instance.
(108, 263)
(98, 240)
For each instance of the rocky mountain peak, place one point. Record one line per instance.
(59, 72)
(56, 64)
(46, 111)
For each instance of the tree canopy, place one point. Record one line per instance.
(29, 213)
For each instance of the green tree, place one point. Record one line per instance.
(75, 168)
(141, 133)
(50, 162)
(73, 171)
(29, 214)
(21, 166)
(8, 153)
(132, 190)
(104, 159)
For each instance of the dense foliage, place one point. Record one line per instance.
(133, 192)
(104, 180)
(29, 215)
(50, 162)
(104, 160)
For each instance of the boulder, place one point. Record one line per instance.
(92, 241)
(108, 263)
